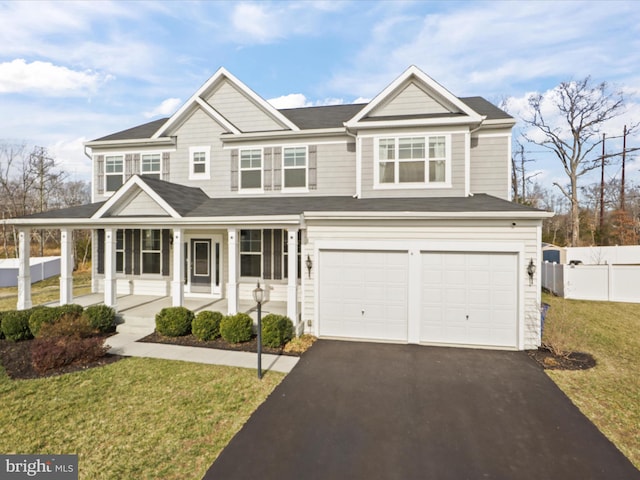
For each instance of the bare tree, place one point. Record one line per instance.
(583, 108)
(521, 178)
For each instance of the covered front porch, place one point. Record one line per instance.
(136, 313)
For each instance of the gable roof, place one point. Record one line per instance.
(144, 131)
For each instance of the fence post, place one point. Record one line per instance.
(610, 284)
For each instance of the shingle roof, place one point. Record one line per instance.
(327, 116)
(484, 107)
(181, 198)
(145, 130)
(81, 211)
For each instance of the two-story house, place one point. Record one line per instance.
(385, 221)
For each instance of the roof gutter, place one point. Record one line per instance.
(136, 142)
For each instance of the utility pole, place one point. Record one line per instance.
(602, 187)
(624, 152)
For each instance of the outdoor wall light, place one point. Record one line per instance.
(309, 264)
(531, 270)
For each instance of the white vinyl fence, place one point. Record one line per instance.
(614, 283)
(41, 268)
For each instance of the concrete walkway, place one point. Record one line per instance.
(126, 344)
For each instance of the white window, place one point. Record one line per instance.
(151, 165)
(295, 167)
(250, 253)
(151, 251)
(251, 169)
(119, 251)
(113, 172)
(412, 160)
(199, 163)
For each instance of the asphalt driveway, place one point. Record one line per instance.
(375, 411)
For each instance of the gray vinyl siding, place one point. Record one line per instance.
(242, 112)
(457, 174)
(336, 170)
(490, 165)
(410, 101)
(142, 205)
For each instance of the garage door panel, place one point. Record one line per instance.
(367, 297)
(476, 303)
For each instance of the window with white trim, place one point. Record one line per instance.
(151, 165)
(151, 251)
(412, 160)
(119, 251)
(295, 167)
(251, 253)
(113, 172)
(251, 169)
(199, 163)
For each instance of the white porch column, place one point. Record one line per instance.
(177, 283)
(24, 269)
(110, 293)
(292, 286)
(232, 286)
(66, 266)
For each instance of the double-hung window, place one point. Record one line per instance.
(113, 172)
(295, 167)
(199, 163)
(151, 165)
(151, 251)
(412, 160)
(119, 251)
(251, 169)
(250, 253)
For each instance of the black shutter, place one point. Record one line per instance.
(136, 252)
(313, 172)
(234, 170)
(266, 254)
(166, 263)
(128, 251)
(277, 254)
(100, 241)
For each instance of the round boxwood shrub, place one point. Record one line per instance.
(276, 330)
(100, 317)
(40, 316)
(15, 325)
(206, 325)
(236, 328)
(72, 308)
(174, 321)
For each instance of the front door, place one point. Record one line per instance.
(200, 274)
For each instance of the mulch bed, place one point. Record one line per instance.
(15, 357)
(567, 361)
(218, 343)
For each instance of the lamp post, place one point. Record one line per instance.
(258, 296)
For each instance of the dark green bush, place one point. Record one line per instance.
(206, 325)
(72, 308)
(15, 325)
(174, 321)
(236, 328)
(41, 315)
(276, 330)
(100, 317)
(70, 325)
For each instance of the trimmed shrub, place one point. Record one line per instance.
(72, 308)
(206, 325)
(41, 315)
(51, 353)
(276, 330)
(236, 328)
(174, 321)
(70, 325)
(100, 317)
(15, 325)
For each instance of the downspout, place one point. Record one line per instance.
(467, 158)
(358, 193)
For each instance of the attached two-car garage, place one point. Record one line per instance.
(433, 297)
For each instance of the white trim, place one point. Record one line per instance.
(259, 189)
(509, 170)
(489, 135)
(206, 175)
(112, 174)
(278, 143)
(213, 113)
(467, 164)
(138, 181)
(427, 82)
(262, 136)
(304, 189)
(409, 132)
(217, 77)
(358, 167)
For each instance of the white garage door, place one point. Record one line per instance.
(469, 298)
(363, 294)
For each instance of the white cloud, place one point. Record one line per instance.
(167, 107)
(70, 157)
(46, 79)
(293, 100)
(256, 22)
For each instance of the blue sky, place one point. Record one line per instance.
(74, 71)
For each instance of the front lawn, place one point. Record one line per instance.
(136, 418)
(608, 394)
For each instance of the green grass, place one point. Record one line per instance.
(137, 418)
(608, 394)
(46, 291)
